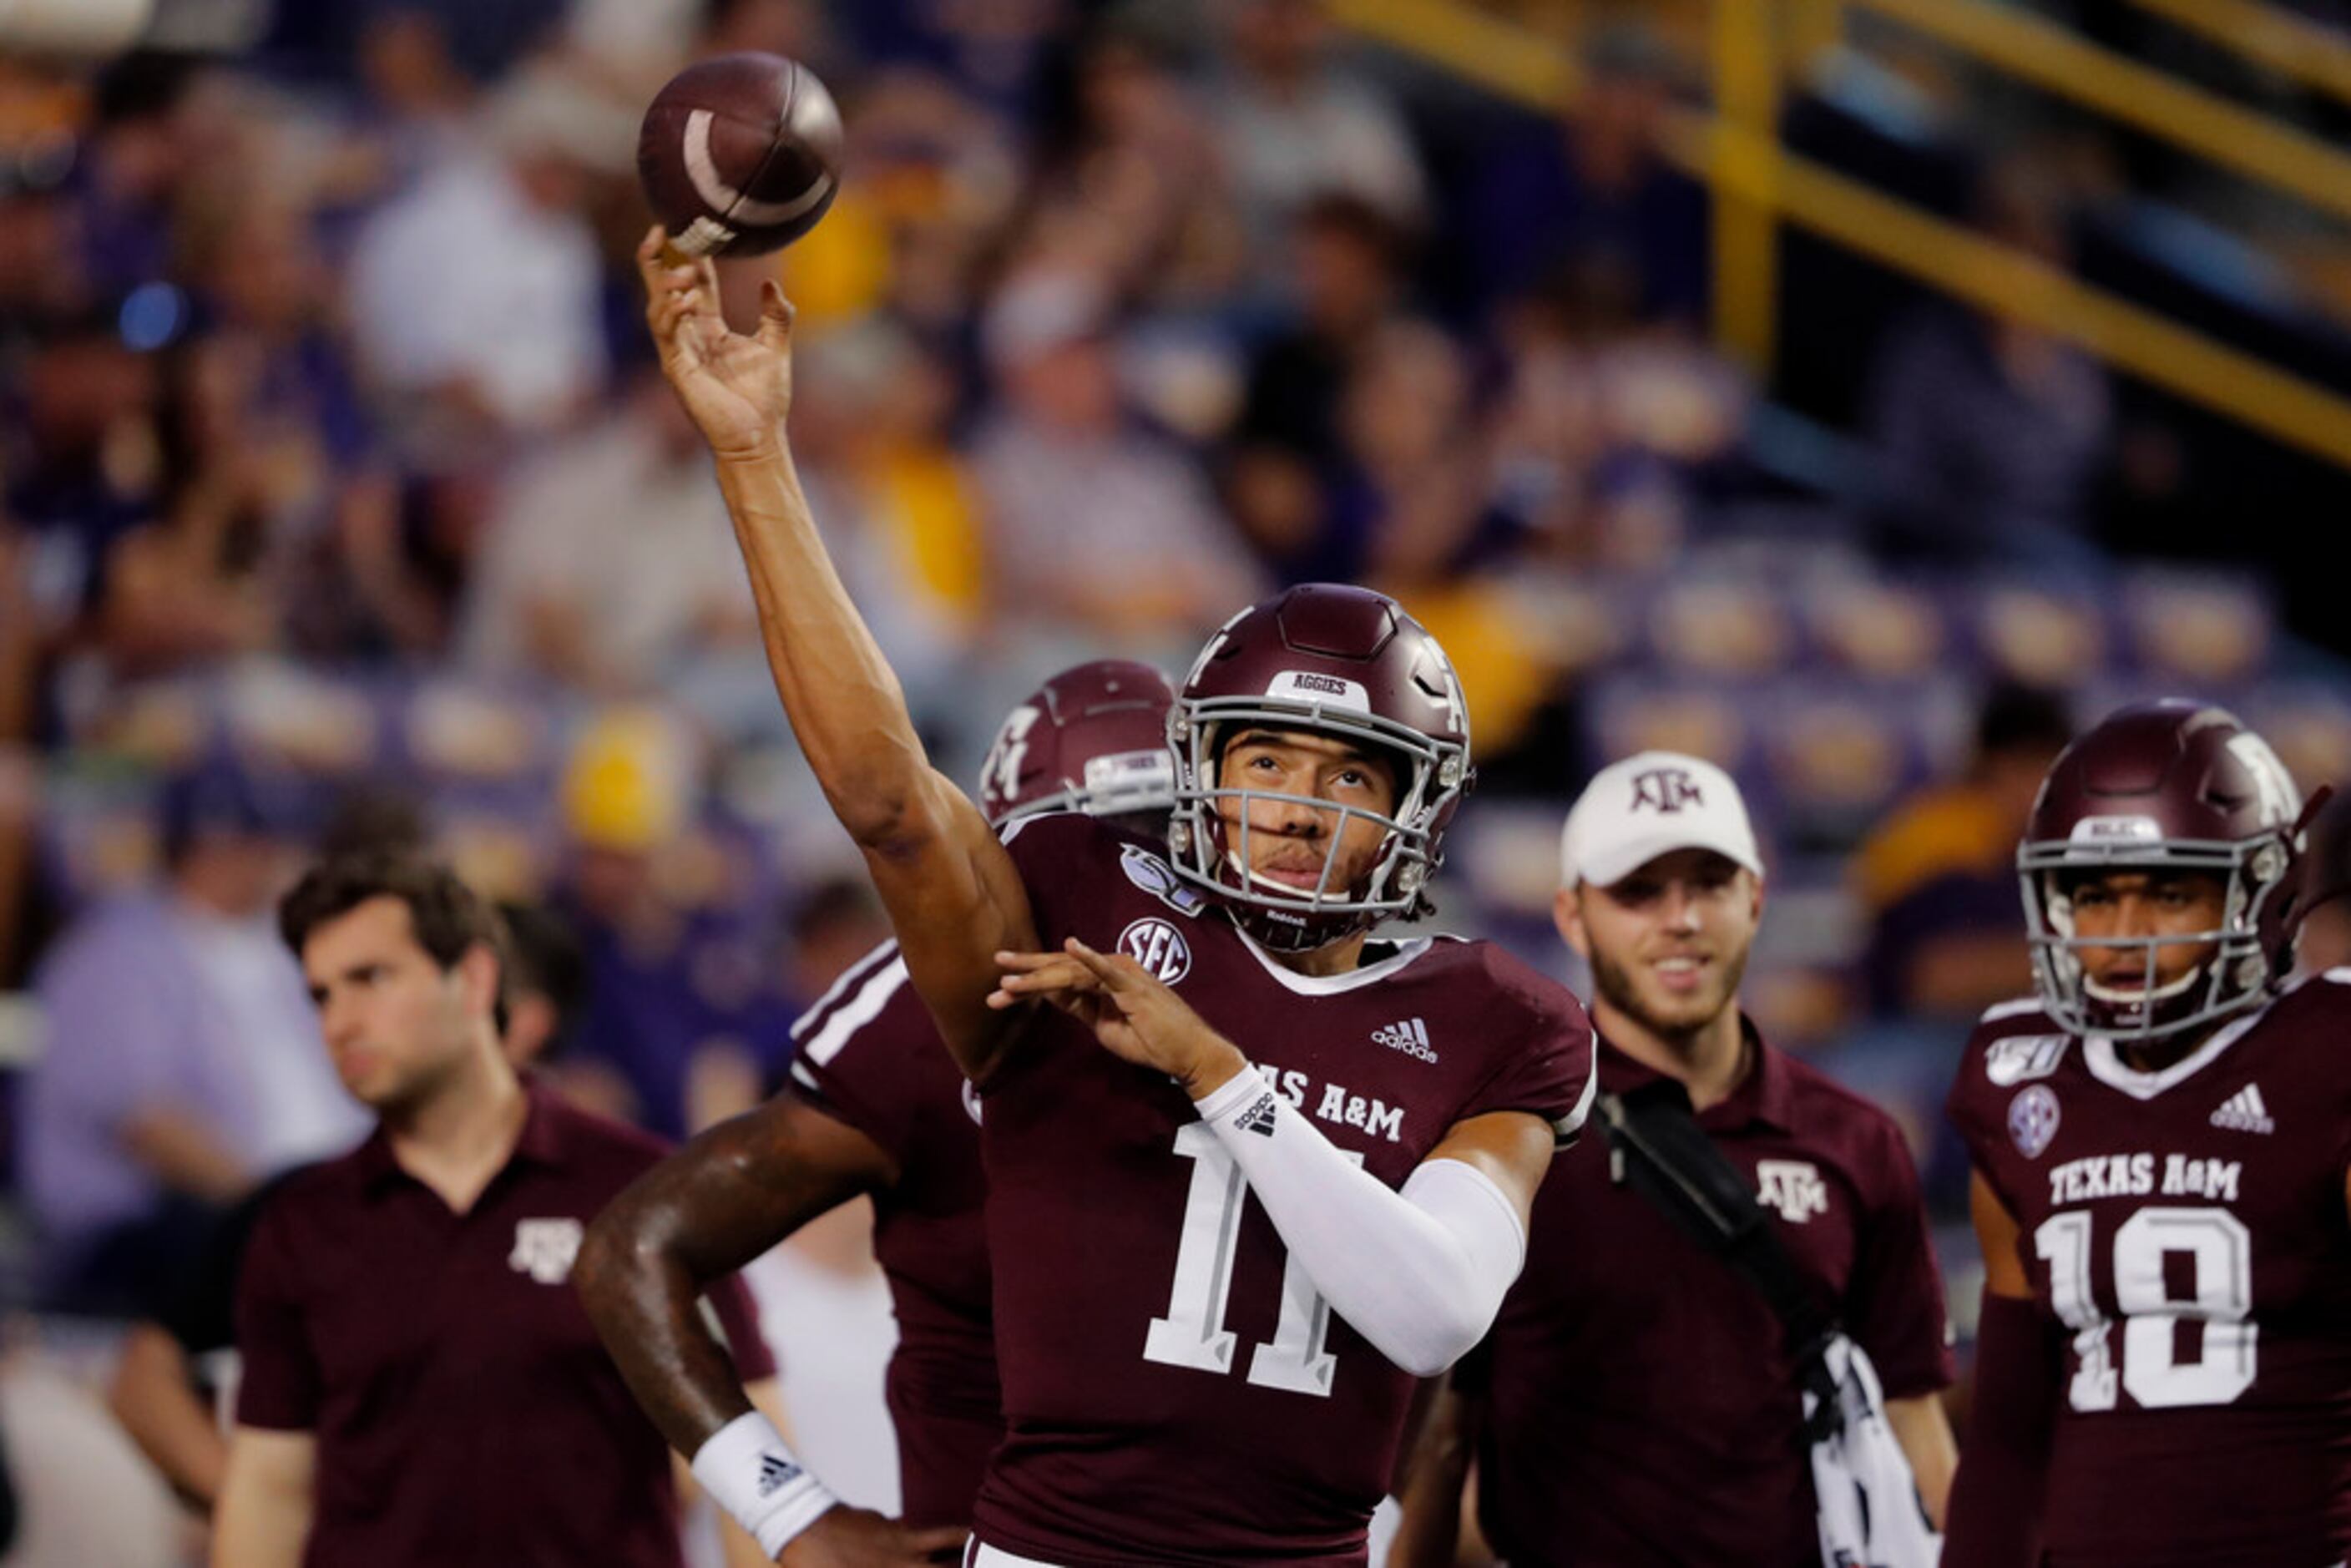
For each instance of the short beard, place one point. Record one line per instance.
(1613, 984)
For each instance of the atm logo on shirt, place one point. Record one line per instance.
(1794, 1187)
(544, 1249)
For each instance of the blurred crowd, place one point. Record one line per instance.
(339, 497)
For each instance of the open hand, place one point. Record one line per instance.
(1135, 1015)
(736, 387)
(847, 1537)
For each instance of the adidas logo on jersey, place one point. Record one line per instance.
(1410, 1035)
(1257, 1118)
(2244, 1112)
(776, 1473)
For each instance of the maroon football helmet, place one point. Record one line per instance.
(2171, 785)
(1095, 740)
(1333, 661)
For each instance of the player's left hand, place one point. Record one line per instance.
(1135, 1017)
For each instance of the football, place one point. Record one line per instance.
(740, 155)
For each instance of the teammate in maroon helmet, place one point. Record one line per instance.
(1212, 1030)
(879, 1109)
(2161, 1139)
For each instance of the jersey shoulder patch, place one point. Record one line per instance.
(2014, 1058)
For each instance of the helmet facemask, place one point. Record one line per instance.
(1215, 853)
(2238, 973)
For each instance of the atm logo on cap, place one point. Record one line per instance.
(1666, 790)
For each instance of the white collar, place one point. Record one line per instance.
(2106, 1065)
(1330, 984)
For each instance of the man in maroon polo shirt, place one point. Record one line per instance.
(421, 1387)
(1634, 1404)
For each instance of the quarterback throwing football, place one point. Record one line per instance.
(1250, 1173)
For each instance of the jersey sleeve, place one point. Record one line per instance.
(1548, 1072)
(730, 1302)
(856, 1051)
(1894, 1306)
(1977, 1106)
(278, 1386)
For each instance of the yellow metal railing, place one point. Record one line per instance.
(2294, 46)
(2041, 52)
(1737, 154)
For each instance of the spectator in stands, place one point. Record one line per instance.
(1992, 434)
(1293, 127)
(1408, 492)
(1096, 524)
(511, 341)
(608, 564)
(1938, 879)
(1593, 191)
(38, 278)
(77, 455)
(1347, 276)
(182, 1062)
(144, 138)
(675, 972)
(1128, 183)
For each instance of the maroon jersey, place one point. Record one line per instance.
(2187, 1229)
(1633, 1370)
(1175, 1390)
(465, 1412)
(869, 1054)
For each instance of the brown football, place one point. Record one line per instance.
(740, 155)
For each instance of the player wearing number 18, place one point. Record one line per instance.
(1248, 1174)
(2161, 1141)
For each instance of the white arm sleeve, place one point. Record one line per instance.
(1419, 1272)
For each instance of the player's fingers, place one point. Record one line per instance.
(937, 1539)
(1112, 977)
(1024, 962)
(1059, 975)
(649, 251)
(775, 315)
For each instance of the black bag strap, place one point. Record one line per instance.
(1656, 1148)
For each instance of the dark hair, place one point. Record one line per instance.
(450, 919)
(2014, 716)
(543, 956)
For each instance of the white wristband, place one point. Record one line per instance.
(1243, 1088)
(748, 1471)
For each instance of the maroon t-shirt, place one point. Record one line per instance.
(870, 1055)
(465, 1414)
(1176, 1392)
(1637, 1404)
(2185, 1235)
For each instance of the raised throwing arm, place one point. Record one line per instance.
(951, 889)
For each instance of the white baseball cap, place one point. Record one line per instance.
(1651, 805)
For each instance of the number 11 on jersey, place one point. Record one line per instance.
(1192, 1333)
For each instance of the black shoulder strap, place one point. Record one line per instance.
(1656, 1146)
